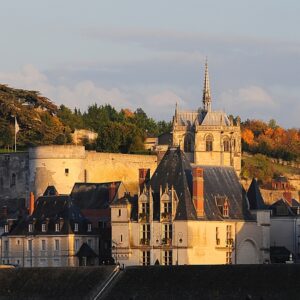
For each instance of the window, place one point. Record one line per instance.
(167, 233)
(229, 240)
(145, 234)
(76, 246)
(121, 238)
(167, 259)
(76, 227)
(43, 227)
(90, 242)
(145, 207)
(209, 143)
(188, 143)
(5, 246)
(6, 228)
(228, 258)
(217, 236)
(167, 207)
(89, 229)
(56, 245)
(18, 242)
(145, 258)
(30, 227)
(226, 145)
(119, 212)
(85, 175)
(13, 180)
(225, 209)
(57, 227)
(29, 245)
(66, 172)
(43, 245)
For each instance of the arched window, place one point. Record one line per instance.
(188, 143)
(209, 143)
(13, 180)
(226, 145)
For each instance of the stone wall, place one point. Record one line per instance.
(14, 175)
(62, 166)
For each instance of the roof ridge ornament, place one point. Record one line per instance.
(206, 90)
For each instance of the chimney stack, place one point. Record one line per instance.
(144, 176)
(31, 203)
(198, 191)
(4, 212)
(112, 191)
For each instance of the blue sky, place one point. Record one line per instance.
(151, 54)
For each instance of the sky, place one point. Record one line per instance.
(151, 54)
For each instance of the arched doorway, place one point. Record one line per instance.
(247, 253)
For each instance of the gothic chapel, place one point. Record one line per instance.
(208, 137)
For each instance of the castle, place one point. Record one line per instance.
(208, 137)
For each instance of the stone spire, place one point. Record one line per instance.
(206, 91)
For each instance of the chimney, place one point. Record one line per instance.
(31, 203)
(198, 191)
(4, 212)
(111, 191)
(144, 176)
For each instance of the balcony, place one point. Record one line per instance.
(166, 241)
(143, 217)
(166, 216)
(145, 242)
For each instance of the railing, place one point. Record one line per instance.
(166, 216)
(145, 241)
(230, 243)
(166, 241)
(143, 217)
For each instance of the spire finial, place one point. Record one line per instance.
(206, 90)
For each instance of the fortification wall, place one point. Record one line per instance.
(62, 166)
(104, 167)
(14, 174)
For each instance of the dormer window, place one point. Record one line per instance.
(222, 203)
(30, 227)
(225, 209)
(89, 228)
(43, 227)
(76, 227)
(6, 228)
(57, 227)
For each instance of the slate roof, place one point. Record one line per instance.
(92, 195)
(86, 251)
(216, 118)
(50, 191)
(14, 208)
(174, 170)
(222, 182)
(51, 210)
(219, 183)
(288, 209)
(254, 196)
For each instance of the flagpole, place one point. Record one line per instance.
(15, 134)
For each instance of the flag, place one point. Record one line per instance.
(17, 127)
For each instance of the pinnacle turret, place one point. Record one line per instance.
(206, 90)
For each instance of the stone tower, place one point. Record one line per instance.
(208, 137)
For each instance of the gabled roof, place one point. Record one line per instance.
(50, 191)
(254, 196)
(93, 195)
(86, 251)
(174, 170)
